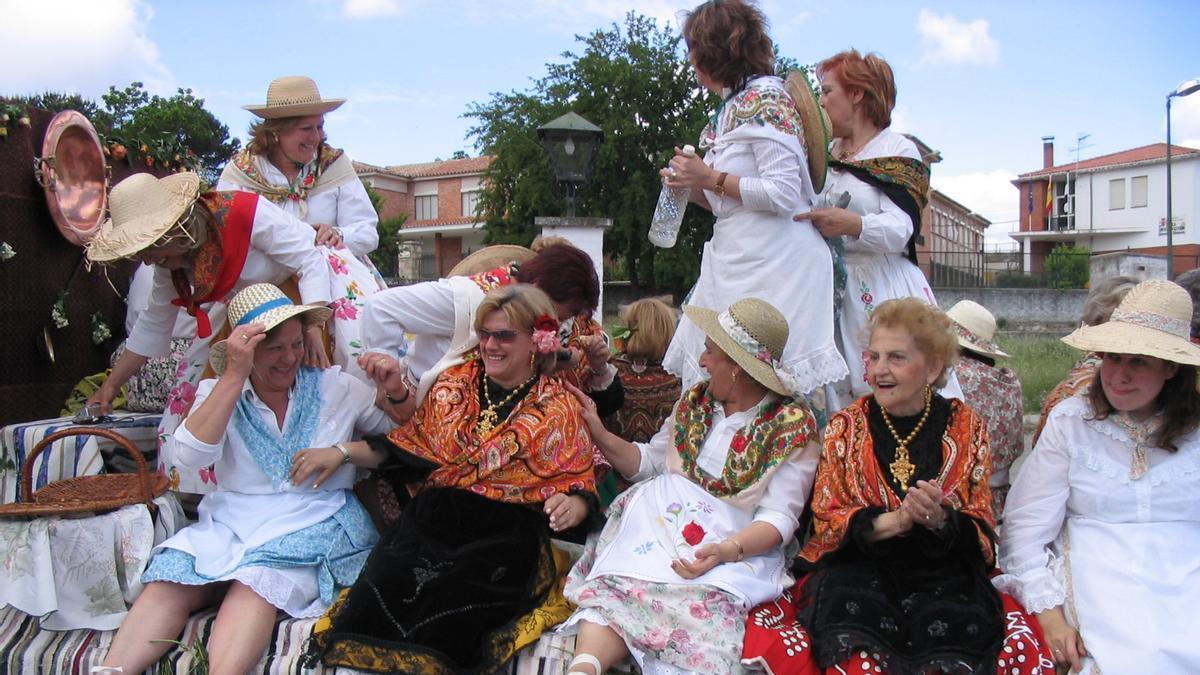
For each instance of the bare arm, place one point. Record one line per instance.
(623, 455)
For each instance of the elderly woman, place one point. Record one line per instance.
(754, 175)
(288, 161)
(878, 228)
(650, 391)
(993, 392)
(441, 314)
(901, 541)
(274, 536)
(700, 539)
(1102, 299)
(1102, 530)
(467, 574)
(204, 248)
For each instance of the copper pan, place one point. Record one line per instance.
(72, 172)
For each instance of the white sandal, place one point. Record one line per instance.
(586, 660)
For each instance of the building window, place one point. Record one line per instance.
(470, 202)
(1116, 194)
(426, 207)
(1138, 191)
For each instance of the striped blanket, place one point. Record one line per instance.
(27, 650)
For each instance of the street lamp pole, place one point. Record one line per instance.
(1184, 89)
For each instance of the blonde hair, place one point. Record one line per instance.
(522, 304)
(651, 324)
(932, 331)
(1104, 297)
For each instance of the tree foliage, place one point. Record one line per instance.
(632, 80)
(1068, 267)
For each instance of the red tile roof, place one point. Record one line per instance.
(448, 167)
(437, 222)
(1145, 153)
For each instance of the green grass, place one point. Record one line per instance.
(1041, 362)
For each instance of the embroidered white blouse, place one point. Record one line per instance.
(1121, 555)
(885, 226)
(280, 246)
(787, 491)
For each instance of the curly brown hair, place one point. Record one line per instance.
(1178, 400)
(728, 41)
(868, 74)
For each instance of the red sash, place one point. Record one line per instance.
(218, 264)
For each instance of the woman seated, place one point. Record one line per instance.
(650, 391)
(274, 536)
(467, 575)
(700, 540)
(901, 542)
(1102, 530)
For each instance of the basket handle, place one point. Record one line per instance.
(27, 465)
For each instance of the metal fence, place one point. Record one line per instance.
(1006, 269)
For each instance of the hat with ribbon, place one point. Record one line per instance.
(1154, 319)
(143, 209)
(752, 333)
(294, 96)
(976, 328)
(267, 306)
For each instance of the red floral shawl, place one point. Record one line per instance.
(219, 261)
(849, 478)
(543, 448)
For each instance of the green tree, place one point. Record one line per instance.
(1068, 267)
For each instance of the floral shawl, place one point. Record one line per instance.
(763, 103)
(332, 168)
(903, 179)
(543, 448)
(779, 428)
(218, 263)
(849, 478)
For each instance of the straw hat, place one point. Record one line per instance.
(1154, 319)
(752, 333)
(976, 328)
(490, 257)
(294, 96)
(816, 126)
(143, 209)
(267, 306)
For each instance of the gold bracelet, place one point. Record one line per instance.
(741, 553)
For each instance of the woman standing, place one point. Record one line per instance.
(888, 185)
(753, 177)
(1102, 528)
(288, 161)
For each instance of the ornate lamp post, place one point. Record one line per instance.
(1185, 89)
(570, 141)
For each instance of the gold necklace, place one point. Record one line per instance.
(488, 417)
(902, 469)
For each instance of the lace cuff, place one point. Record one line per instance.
(814, 369)
(1038, 589)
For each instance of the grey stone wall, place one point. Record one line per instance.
(1034, 309)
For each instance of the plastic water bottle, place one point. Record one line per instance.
(668, 215)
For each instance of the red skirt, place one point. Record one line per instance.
(777, 643)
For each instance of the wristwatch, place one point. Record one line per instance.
(719, 188)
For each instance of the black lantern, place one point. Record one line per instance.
(570, 142)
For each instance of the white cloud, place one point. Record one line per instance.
(79, 46)
(950, 41)
(988, 193)
(360, 9)
(1185, 121)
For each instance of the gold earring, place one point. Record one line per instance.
(533, 360)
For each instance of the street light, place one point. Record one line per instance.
(1187, 88)
(570, 141)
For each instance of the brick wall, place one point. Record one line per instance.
(450, 198)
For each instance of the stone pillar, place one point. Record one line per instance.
(585, 233)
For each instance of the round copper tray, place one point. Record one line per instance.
(71, 170)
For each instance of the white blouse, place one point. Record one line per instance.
(886, 228)
(346, 207)
(787, 492)
(280, 246)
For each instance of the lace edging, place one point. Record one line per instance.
(818, 368)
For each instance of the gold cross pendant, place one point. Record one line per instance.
(487, 422)
(902, 470)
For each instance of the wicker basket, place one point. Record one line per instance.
(85, 494)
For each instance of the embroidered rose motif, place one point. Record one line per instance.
(699, 611)
(208, 475)
(338, 265)
(867, 298)
(738, 444)
(179, 401)
(344, 309)
(693, 534)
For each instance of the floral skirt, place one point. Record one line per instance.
(776, 642)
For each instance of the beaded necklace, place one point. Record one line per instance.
(902, 469)
(488, 417)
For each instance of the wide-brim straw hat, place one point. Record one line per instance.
(267, 306)
(143, 208)
(752, 333)
(1154, 319)
(976, 328)
(491, 257)
(816, 126)
(294, 96)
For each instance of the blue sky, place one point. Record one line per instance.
(980, 81)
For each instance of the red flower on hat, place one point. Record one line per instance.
(693, 534)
